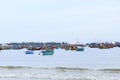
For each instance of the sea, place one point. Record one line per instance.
(90, 64)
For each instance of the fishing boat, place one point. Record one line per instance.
(48, 52)
(80, 49)
(73, 47)
(29, 52)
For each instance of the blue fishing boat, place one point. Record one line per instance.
(29, 52)
(48, 52)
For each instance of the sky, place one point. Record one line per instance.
(59, 20)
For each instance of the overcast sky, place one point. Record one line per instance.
(59, 20)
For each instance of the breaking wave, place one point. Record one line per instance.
(58, 77)
(25, 67)
(65, 68)
(57, 73)
(14, 67)
(57, 68)
(111, 70)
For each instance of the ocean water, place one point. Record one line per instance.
(92, 64)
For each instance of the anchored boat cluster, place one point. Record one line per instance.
(104, 45)
(48, 48)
